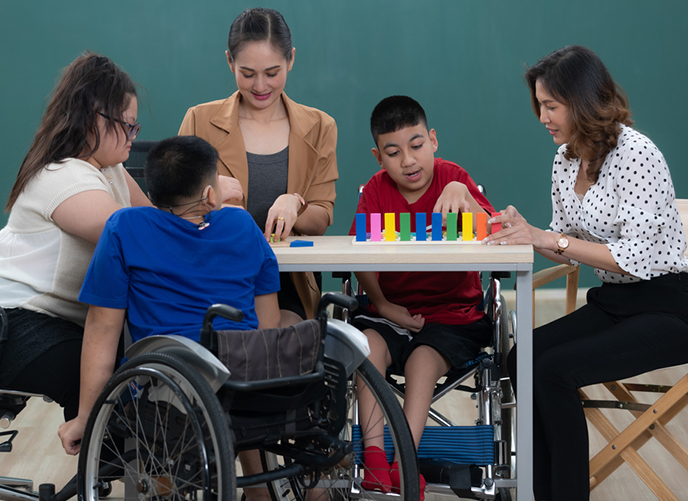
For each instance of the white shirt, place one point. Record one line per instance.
(42, 266)
(632, 209)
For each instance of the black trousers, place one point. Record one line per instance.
(43, 355)
(623, 331)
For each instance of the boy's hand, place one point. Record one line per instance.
(70, 434)
(401, 316)
(232, 192)
(455, 197)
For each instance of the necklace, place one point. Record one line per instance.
(202, 225)
(106, 173)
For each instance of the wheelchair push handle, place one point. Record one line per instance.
(342, 300)
(222, 310)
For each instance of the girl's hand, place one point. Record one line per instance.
(401, 316)
(232, 192)
(281, 217)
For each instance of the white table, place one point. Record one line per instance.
(338, 253)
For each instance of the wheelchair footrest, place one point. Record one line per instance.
(453, 444)
(459, 477)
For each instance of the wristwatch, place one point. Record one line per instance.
(563, 243)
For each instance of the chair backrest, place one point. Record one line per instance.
(137, 159)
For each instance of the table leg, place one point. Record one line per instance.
(524, 406)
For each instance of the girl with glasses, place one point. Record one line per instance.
(69, 183)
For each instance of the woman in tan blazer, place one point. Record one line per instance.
(280, 154)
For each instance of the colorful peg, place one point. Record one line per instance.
(405, 227)
(375, 229)
(421, 232)
(390, 227)
(452, 218)
(437, 226)
(360, 227)
(496, 226)
(481, 225)
(467, 225)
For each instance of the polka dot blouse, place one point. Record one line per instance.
(631, 209)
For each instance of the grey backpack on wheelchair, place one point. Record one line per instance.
(275, 388)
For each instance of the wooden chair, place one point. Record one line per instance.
(650, 421)
(548, 275)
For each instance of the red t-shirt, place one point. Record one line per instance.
(450, 298)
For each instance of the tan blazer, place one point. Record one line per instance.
(312, 167)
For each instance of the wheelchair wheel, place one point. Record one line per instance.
(159, 427)
(343, 482)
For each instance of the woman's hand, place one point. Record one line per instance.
(281, 217)
(400, 316)
(232, 192)
(516, 231)
(71, 433)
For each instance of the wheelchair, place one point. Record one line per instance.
(170, 420)
(473, 462)
(11, 404)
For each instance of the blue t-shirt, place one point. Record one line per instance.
(166, 271)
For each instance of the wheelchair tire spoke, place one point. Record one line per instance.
(160, 426)
(343, 481)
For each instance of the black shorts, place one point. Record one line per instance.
(457, 343)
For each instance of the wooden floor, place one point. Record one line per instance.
(38, 454)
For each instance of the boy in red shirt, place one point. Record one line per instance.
(423, 323)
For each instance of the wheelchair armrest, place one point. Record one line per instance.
(199, 357)
(346, 344)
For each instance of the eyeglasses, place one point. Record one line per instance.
(134, 129)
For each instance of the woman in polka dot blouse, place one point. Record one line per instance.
(613, 209)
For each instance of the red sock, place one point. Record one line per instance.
(396, 481)
(376, 470)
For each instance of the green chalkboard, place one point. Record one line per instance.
(462, 59)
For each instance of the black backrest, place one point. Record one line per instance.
(136, 160)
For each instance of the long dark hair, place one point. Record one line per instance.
(92, 84)
(259, 25)
(577, 77)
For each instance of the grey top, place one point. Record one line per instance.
(267, 180)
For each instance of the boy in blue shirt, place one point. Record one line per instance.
(161, 267)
